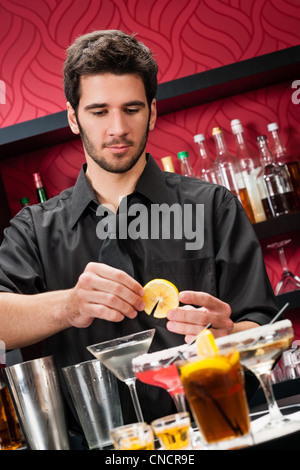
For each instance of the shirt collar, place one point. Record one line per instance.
(83, 196)
(151, 184)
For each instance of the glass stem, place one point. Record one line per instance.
(179, 401)
(282, 259)
(266, 383)
(135, 399)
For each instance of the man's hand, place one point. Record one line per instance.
(189, 320)
(104, 292)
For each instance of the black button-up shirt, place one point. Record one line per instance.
(48, 246)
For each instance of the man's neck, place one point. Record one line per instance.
(110, 188)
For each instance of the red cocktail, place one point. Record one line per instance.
(153, 369)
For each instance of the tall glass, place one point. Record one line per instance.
(259, 348)
(117, 355)
(214, 387)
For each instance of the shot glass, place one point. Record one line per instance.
(173, 431)
(136, 436)
(214, 388)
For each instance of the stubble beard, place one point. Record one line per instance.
(120, 165)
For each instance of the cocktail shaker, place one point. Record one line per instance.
(36, 394)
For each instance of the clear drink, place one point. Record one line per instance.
(119, 358)
(259, 359)
(117, 355)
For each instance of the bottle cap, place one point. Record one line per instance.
(199, 138)
(236, 126)
(273, 126)
(216, 130)
(167, 163)
(24, 200)
(37, 180)
(182, 155)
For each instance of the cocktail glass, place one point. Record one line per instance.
(153, 369)
(289, 281)
(117, 355)
(259, 348)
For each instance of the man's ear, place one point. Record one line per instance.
(72, 119)
(153, 115)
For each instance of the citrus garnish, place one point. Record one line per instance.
(161, 293)
(210, 365)
(205, 343)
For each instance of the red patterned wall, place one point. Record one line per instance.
(187, 36)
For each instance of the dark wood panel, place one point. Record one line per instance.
(278, 226)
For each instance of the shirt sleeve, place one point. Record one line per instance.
(20, 267)
(242, 277)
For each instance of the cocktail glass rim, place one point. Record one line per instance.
(120, 340)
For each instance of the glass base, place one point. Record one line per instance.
(232, 444)
(288, 283)
(265, 428)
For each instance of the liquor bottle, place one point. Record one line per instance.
(252, 171)
(185, 164)
(167, 163)
(25, 201)
(10, 435)
(230, 173)
(206, 169)
(282, 158)
(40, 190)
(280, 196)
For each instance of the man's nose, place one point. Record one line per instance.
(118, 124)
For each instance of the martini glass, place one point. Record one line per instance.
(154, 369)
(288, 281)
(259, 348)
(117, 355)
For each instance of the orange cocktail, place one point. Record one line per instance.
(214, 388)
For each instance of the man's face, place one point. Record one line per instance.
(113, 120)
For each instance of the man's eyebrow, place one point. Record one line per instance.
(94, 106)
(139, 103)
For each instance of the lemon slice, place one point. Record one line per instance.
(205, 344)
(164, 294)
(213, 365)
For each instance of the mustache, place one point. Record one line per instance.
(122, 141)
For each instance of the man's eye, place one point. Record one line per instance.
(132, 110)
(98, 113)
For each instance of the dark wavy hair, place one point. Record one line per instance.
(108, 51)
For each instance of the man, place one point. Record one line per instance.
(52, 286)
